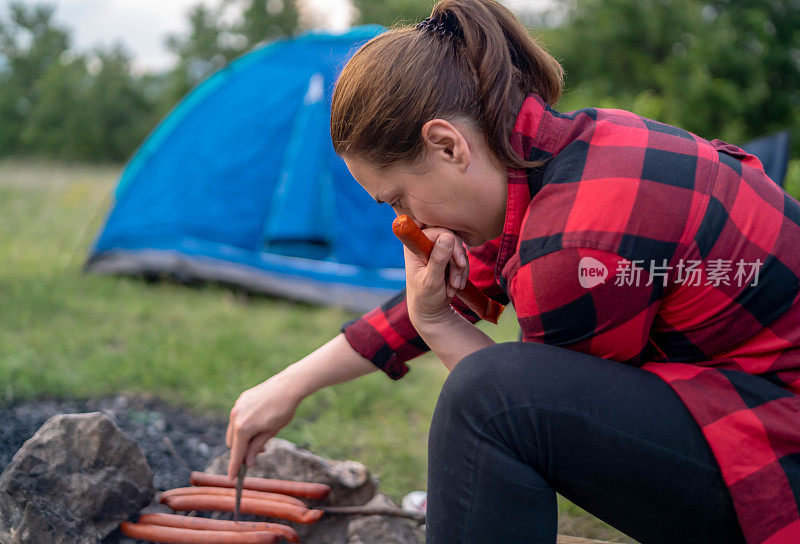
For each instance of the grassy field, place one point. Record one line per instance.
(65, 334)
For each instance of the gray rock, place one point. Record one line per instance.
(328, 530)
(72, 482)
(383, 529)
(351, 483)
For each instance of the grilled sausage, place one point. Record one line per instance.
(208, 524)
(259, 507)
(307, 490)
(175, 535)
(227, 491)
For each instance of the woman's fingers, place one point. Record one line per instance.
(459, 252)
(239, 441)
(448, 257)
(237, 455)
(463, 262)
(455, 277)
(256, 446)
(440, 257)
(231, 425)
(459, 266)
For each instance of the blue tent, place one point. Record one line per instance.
(240, 184)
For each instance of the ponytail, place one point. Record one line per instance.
(472, 60)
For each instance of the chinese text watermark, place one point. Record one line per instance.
(716, 272)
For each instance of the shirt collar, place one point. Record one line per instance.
(536, 133)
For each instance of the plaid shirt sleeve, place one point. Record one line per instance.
(385, 334)
(585, 299)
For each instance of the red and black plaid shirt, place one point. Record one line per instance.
(645, 244)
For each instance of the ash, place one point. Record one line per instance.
(195, 438)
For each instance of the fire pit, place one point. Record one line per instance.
(177, 441)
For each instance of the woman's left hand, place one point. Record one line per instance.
(431, 286)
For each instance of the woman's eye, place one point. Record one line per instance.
(396, 203)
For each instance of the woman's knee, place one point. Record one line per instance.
(498, 363)
(514, 372)
(484, 378)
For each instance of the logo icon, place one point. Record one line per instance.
(591, 272)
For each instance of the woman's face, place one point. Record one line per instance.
(458, 184)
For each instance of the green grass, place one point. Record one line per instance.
(65, 334)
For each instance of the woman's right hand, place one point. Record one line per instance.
(257, 415)
(430, 288)
(260, 412)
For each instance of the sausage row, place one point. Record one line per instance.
(211, 492)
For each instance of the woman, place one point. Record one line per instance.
(654, 275)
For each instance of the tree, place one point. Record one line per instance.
(60, 104)
(720, 68)
(262, 21)
(63, 104)
(117, 111)
(30, 45)
(200, 53)
(53, 122)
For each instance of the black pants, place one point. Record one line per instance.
(515, 423)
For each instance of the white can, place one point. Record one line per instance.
(416, 501)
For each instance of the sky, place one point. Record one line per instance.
(142, 25)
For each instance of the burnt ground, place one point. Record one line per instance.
(195, 438)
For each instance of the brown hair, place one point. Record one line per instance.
(480, 71)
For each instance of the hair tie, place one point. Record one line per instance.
(438, 27)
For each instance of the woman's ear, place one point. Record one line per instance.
(445, 141)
